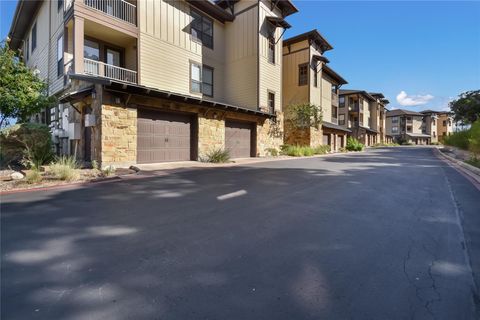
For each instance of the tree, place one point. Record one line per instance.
(467, 107)
(304, 116)
(22, 93)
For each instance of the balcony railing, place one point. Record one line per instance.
(120, 9)
(101, 69)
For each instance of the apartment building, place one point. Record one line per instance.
(308, 79)
(429, 124)
(159, 80)
(406, 126)
(361, 112)
(445, 124)
(378, 114)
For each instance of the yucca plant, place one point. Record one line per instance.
(65, 168)
(216, 156)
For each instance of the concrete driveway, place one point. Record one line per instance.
(376, 235)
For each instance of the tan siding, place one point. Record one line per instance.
(315, 92)
(292, 93)
(326, 100)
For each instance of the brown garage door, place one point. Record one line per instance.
(162, 136)
(238, 139)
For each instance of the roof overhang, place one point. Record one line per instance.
(135, 89)
(361, 92)
(335, 76)
(286, 6)
(212, 10)
(24, 13)
(75, 96)
(334, 126)
(369, 129)
(279, 22)
(317, 57)
(313, 36)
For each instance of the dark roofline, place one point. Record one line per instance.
(212, 9)
(398, 112)
(286, 6)
(347, 92)
(124, 87)
(334, 75)
(377, 94)
(313, 35)
(24, 12)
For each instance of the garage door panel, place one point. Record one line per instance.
(163, 137)
(238, 137)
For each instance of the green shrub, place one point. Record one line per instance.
(323, 149)
(27, 143)
(65, 168)
(95, 165)
(272, 151)
(474, 139)
(216, 156)
(354, 145)
(33, 176)
(474, 161)
(458, 139)
(435, 143)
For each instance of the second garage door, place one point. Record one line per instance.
(163, 137)
(238, 139)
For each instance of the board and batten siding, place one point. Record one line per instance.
(270, 75)
(166, 48)
(366, 112)
(241, 60)
(315, 92)
(292, 92)
(57, 28)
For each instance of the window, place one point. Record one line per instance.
(303, 74)
(394, 119)
(434, 134)
(91, 50)
(315, 77)
(34, 36)
(409, 128)
(342, 102)
(394, 129)
(27, 49)
(60, 56)
(201, 79)
(334, 112)
(433, 121)
(271, 50)
(444, 123)
(113, 57)
(271, 102)
(202, 29)
(60, 4)
(409, 118)
(341, 119)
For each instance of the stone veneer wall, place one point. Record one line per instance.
(119, 135)
(211, 134)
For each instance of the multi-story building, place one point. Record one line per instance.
(378, 113)
(362, 114)
(406, 126)
(444, 124)
(429, 124)
(308, 79)
(158, 80)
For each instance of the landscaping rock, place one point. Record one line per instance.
(17, 175)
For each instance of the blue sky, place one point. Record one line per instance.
(421, 52)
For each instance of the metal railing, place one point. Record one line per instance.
(120, 9)
(101, 69)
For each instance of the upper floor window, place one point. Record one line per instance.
(271, 102)
(60, 4)
(60, 56)
(34, 36)
(201, 79)
(202, 29)
(433, 121)
(342, 102)
(444, 123)
(315, 77)
(334, 112)
(394, 129)
(271, 50)
(303, 74)
(341, 119)
(409, 128)
(91, 50)
(394, 119)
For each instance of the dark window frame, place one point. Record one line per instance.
(334, 112)
(201, 34)
(202, 83)
(315, 77)
(303, 74)
(33, 37)
(271, 108)
(341, 121)
(272, 50)
(60, 68)
(340, 103)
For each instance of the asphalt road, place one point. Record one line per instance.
(376, 235)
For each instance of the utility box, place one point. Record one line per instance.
(90, 120)
(74, 131)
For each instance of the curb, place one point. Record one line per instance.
(466, 169)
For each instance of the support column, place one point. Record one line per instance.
(78, 43)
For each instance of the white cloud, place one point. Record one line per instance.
(408, 101)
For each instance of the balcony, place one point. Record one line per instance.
(355, 107)
(120, 9)
(101, 69)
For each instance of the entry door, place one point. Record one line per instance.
(163, 137)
